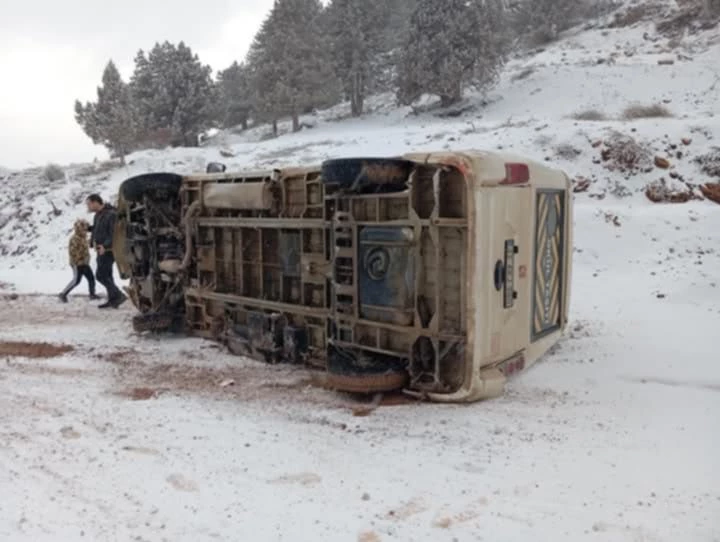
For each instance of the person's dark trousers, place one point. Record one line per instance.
(104, 275)
(79, 272)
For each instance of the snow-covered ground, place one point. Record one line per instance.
(613, 437)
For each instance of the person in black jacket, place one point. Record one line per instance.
(102, 231)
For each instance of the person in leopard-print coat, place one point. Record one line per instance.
(79, 257)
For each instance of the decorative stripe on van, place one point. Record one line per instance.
(549, 265)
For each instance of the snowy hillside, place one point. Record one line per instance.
(613, 437)
(602, 71)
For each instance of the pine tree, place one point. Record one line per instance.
(711, 8)
(235, 96)
(357, 32)
(451, 45)
(111, 121)
(396, 25)
(174, 93)
(289, 63)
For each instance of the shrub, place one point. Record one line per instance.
(638, 111)
(622, 153)
(710, 163)
(567, 152)
(53, 172)
(590, 115)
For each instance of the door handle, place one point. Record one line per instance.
(508, 273)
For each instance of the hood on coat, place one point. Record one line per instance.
(81, 226)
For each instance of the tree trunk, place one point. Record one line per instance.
(296, 122)
(245, 124)
(453, 96)
(356, 96)
(275, 127)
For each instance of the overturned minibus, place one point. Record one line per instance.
(441, 274)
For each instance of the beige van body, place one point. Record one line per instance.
(441, 274)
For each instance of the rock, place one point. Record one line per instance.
(661, 192)
(666, 62)
(661, 162)
(711, 191)
(581, 184)
(686, 141)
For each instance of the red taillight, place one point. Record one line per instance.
(514, 365)
(516, 174)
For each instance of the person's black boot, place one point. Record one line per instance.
(94, 297)
(106, 305)
(119, 301)
(63, 298)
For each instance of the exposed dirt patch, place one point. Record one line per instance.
(37, 309)
(121, 356)
(397, 399)
(363, 408)
(250, 381)
(140, 378)
(69, 433)
(34, 350)
(139, 394)
(45, 369)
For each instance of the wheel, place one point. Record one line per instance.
(159, 185)
(367, 175)
(156, 322)
(354, 372)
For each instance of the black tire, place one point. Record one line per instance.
(353, 372)
(157, 185)
(367, 175)
(156, 322)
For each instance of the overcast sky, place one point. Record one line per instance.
(52, 52)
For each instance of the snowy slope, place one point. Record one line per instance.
(613, 437)
(531, 115)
